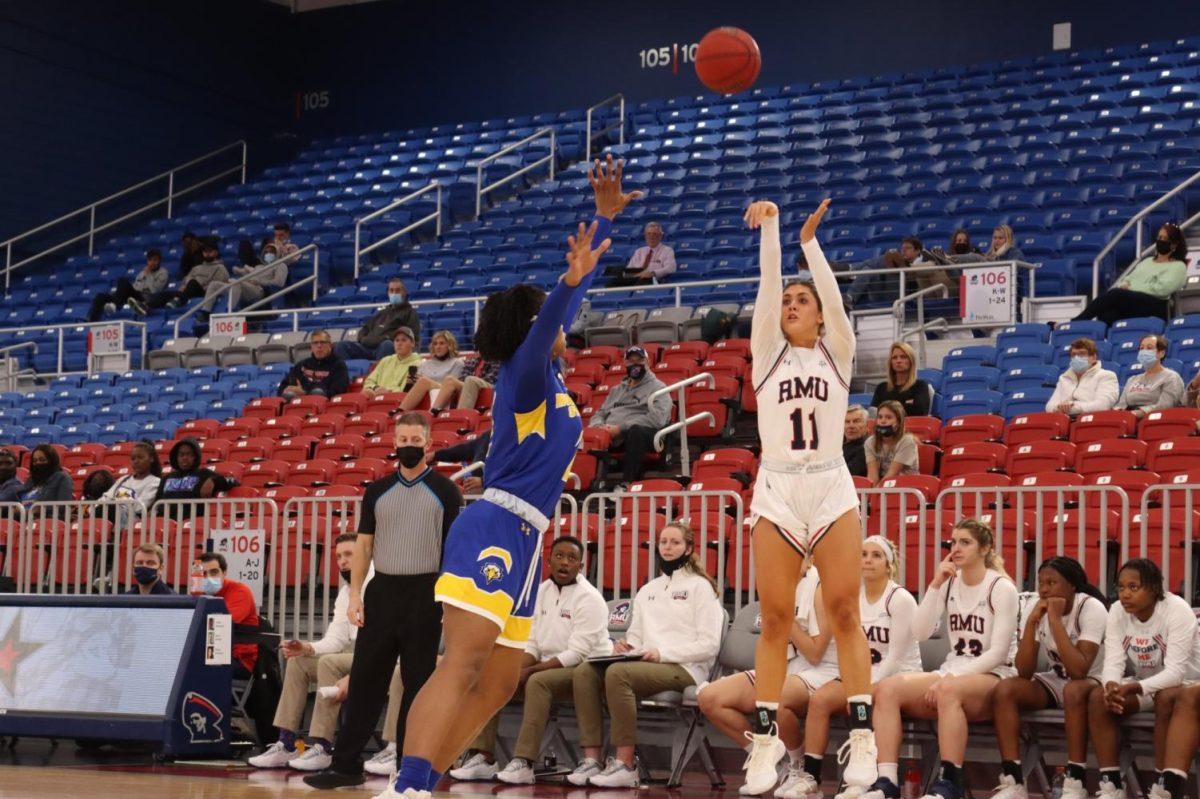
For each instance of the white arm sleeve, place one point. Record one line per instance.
(929, 612)
(838, 331)
(1004, 631)
(1114, 649)
(1181, 642)
(903, 609)
(766, 338)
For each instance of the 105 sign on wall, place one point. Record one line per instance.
(669, 55)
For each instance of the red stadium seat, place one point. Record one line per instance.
(861, 482)
(1039, 456)
(978, 456)
(889, 512)
(323, 425)
(337, 491)
(343, 447)
(387, 403)
(281, 494)
(239, 427)
(1111, 455)
(972, 428)
(294, 450)
(247, 450)
(726, 462)
(1036, 427)
(83, 455)
(605, 356)
(316, 472)
(585, 466)
(306, 406)
(927, 429)
(460, 422)
(1174, 456)
(199, 429)
(232, 470)
(243, 492)
(739, 345)
(349, 404)
(927, 458)
(1102, 425)
(362, 471)
(382, 446)
(263, 407)
(589, 372)
(264, 474)
(1134, 483)
(1189, 477)
(1050, 480)
(731, 365)
(697, 350)
(1166, 532)
(1169, 423)
(722, 504)
(214, 450)
(965, 502)
(366, 424)
(1087, 527)
(281, 427)
(671, 360)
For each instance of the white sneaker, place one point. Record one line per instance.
(1009, 789)
(762, 763)
(276, 756)
(1157, 791)
(854, 792)
(615, 775)
(1109, 791)
(860, 752)
(315, 758)
(874, 791)
(110, 307)
(519, 771)
(797, 784)
(476, 767)
(587, 768)
(384, 762)
(1073, 789)
(409, 793)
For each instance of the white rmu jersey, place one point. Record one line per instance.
(887, 625)
(981, 622)
(802, 393)
(1085, 622)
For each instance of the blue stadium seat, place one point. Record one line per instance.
(931, 376)
(41, 434)
(1026, 377)
(970, 402)
(115, 433)
(1029, 400)
(970, 378)
(1021, 334)
(1067, 332)
(964, 357)
(1024, 355)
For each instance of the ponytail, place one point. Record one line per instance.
(693, 564)
(1073, 572)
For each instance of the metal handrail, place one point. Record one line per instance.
(61, 329)
(684, 419)
(620, 124)
(1136, 219)
(481, 190)
(898, 312)
(226, 289)
(93, 228)
(360, 251)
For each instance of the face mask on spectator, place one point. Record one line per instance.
(1080, 364)
(962, 248)
(345, 574)
(885, 430)
(635, 371)
(146, 575)
(409, 457)
(1163, 246)
(669, 567)
(212, 585)
(210, 258)
(40, 471)
(268, 257)
(1147, 357)
(396, 299)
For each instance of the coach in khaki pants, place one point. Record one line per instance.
(570, 624)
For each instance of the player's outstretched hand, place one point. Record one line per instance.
(814, 220)
(606, 185)
(758, 211)
(581, 258)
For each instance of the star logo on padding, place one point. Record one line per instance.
(12, 651)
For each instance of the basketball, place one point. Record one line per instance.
(728, 60)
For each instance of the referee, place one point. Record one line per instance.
(402, 525)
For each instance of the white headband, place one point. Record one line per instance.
(885, 545)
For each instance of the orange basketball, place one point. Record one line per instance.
(728, 60)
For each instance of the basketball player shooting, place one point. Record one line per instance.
(804, 502)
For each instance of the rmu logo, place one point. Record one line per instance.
(812, 387)
(970, 624)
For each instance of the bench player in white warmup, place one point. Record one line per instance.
(804, 499)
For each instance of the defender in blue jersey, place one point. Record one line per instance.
(492, 558)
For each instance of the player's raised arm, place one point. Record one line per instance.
(765, 333)
(838, 331)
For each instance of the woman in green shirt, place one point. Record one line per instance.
(1146, 286)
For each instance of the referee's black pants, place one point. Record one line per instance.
(402, 620)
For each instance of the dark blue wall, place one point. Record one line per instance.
(97, 95)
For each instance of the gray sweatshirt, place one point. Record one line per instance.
(1152, 392)
(205, 273)
(626, 405)
(150, 282)
(272, 275)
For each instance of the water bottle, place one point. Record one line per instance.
(912, 782)
(1056, 786)
(196, 581)
(550, 762)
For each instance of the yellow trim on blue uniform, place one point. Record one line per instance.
(531, 422)
(497, 552)
(461, 592)
(516, 632)
(565, 401)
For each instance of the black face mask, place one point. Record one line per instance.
(1163, 246)
(669, 567)
(345, 574)
(885, 430)
(409, 457)
(962, 248)
(209, 259)
(635, 371)
(40, 472)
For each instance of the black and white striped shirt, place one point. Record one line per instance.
(409, 520)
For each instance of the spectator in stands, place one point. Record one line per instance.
(149, 281)
(1156, 387)
(322, 374)
(148, 564)
(890, 450)
(960, 251)
(650, 263)
(884, 288)
(467, 385)
(376, 335)
(902, 383)
(96, 483)
(323, 662)
(676, 628)
(398, 371)
(285, 248)
(1086, 386)
(140, 484)
(188, 479)
(266, 278)
(467, 452)
(1191, 399)
(247, 255)
(570, 625)
(627, 417)
(433, 371)
(10, 484)
(47, 481)
(190, 256)
(239, 600)
(1147, 286)
(210, 269)
(1004, 246)
(854, 439)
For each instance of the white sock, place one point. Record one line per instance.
(864, 699)
(890, 771)
(767, 705)
(797, 756)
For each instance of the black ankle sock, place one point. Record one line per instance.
(764, 720)
(952, 773)
(860, 715)
(1173, 782)
(812, 766)
(1112, 775)
(1013, 769)
(1076, 771)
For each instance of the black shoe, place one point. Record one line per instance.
(329, 779)
(945, 789)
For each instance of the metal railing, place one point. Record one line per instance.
(898, 313)
(481, 190)
(75, 327)
(476, 303)
(1136, 222)
(619, 125)
(9, 378)
(1176, 521)
(169, 200)
(360, 251)
(227, 290)
(684, 419)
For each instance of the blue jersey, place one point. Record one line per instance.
(536, 428)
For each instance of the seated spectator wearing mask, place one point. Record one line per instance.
(650, 263)
(431, 372)
(148, 563)
(188, 479)
(628, 418)
(853, 440)
(1147, 286)
(376, 335)
(10, 484)
(1156, 387)
(886, 288)
(321, 374)
(398, 371)
(239, 600)
(199, 277)
(47, 481)
(902, 383)
(1085, 387)
(890, 450)
(960, 252)
(149, 281)
(1004, 246)
(262, 278)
